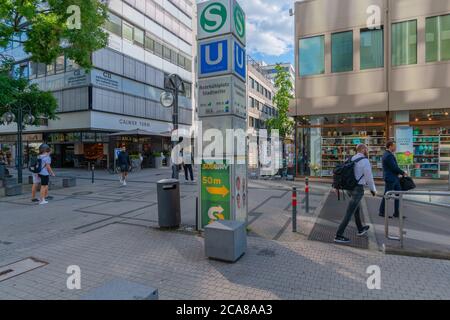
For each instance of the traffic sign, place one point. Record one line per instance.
(224, 95)
(221, 17)
(239, 60)
(214, 57)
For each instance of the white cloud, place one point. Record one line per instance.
(270, 29)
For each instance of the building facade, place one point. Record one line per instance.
(369, 70)
(270, 71)
(260, 92)
(149, 40)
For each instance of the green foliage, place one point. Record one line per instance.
(48, 33)
(19, 92)
(281, 100)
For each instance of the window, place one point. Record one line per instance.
(41, 70)
(50, 69)
(33, 70)
(60, 63)
(404, 43)
(149, 44)
(127, 31)
(438, 38)
(174, 57)
(71, 65)
(342, 51)
(372, 49)
(188, 64)
(138, 37)
(158, 49)
(166, 52)
(312, 56)
(181, 61)
(114, 24)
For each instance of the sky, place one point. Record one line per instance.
(270, 30)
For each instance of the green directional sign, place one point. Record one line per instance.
(239, 20)
(215, 192)
(213, 17)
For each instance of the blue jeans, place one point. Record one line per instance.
(353, 209)
(391, 186)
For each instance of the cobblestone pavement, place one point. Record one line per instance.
(109, 232)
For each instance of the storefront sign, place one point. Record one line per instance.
(106, 79)
(76, 78)
(405, 145)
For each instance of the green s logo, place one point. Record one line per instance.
(213, 17)
(239, 20)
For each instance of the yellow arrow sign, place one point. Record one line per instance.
(220, 191)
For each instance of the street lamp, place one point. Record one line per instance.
(27, 119)
(174, 86)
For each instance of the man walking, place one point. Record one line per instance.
(391, 173)
(364, 176)
(46, 171)
(124, 163)
(187, 164)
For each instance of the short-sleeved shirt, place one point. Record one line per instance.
(123, 159)
(46, 160)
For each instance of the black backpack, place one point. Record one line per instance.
(344, 175)
(35, 164)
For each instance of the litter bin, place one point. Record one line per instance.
(169, 215)
(2, 171)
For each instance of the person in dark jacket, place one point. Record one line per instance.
(391, 173)
(124, 163)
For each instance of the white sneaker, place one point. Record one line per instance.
(124, 183)
(43, 202)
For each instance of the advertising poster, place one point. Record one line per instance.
(405, 146)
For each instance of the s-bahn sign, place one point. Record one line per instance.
(221, 17)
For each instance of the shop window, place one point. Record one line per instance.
(114, 24)
(372, 49)
(342, 51)
(404, 43)
(312, 56)
(438, 38)
(127, 31)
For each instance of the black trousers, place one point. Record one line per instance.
(188, 168)
(353, 209)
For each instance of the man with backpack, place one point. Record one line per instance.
(352, 177)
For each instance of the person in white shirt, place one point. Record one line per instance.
(187, 163)
(364, 176)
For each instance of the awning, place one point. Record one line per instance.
(140, 133)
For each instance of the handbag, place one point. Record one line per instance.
(407, 183)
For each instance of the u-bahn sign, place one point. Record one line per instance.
(219, 17)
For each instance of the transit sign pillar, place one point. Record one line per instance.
(222, 105)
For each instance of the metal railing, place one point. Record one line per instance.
(398, 195)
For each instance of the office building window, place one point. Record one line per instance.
(438, 38)
(158, 49)
(149, 44)
(138, 37)
(114, 24)
(342, 51)
(166, 52)
(312, 56)
(60, 64)
(127, 31)
(372, 49)
(404, 43)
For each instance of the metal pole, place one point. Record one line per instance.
(93, 173)
(196, 214)
(386, 217)
(19, 145)
(449, 180)
(294, 209)
(307, 195)
(401, 219)
(175, 172)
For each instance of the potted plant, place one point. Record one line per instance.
(315, 168)
(158, 159)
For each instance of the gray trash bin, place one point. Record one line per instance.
(169, 215)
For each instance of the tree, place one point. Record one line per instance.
(18, 92)
(48, 29)
(282, 122)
